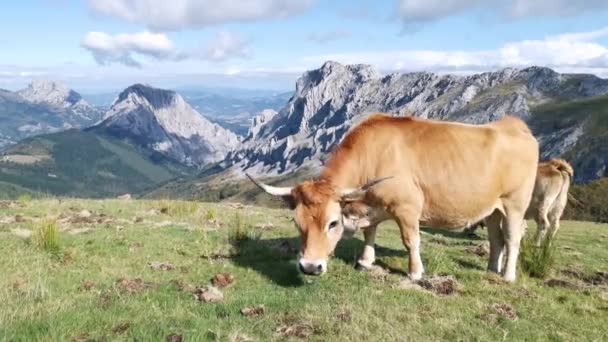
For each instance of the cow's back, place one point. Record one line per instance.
(456, 173)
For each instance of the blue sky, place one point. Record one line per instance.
(105, 45)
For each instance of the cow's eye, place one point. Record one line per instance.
(333, 224)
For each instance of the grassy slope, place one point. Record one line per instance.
(86, 165)
(41, 299)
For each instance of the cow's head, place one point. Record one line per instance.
(319, 217)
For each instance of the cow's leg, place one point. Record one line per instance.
(554, 217)
(497, 241)
(542, 222)
(407, 219)
(513, 232)
(368, 256)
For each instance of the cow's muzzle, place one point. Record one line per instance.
(316, 267)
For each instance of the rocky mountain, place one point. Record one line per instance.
(566, 111)
(161, 120)
(43, 107)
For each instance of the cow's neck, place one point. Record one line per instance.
(344, 170)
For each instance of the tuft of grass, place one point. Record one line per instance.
(211, 214)
(24, 198)
(180, 209)
(537, 261)
(45, 235)
(241, 231)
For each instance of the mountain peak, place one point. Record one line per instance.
(162, 120)
(50, 92)
(156, 97)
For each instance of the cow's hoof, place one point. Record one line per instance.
(415, 276)
(363, 266)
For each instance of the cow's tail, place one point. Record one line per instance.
(567, 173)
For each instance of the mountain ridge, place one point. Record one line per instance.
(330, 100)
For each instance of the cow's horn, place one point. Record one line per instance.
(273, 190)
(359, 192)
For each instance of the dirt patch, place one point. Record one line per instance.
(297, 329)
(264, 226)
(18, 284)
(597, 279)
(564, 283)
(11, 204)
(78, 231)
(22, 233)
(138, 219)
(379, 274)
(83, 338)
(481, 250)
(344, 315)
(253, 312)
(121, 328)
(441, 285)
(133, 286)
(161, 265)
(408, 284)
(222, 280)
(174, 338)
(86, 286)
(183, 286)
(501, 310)
(135, 246)
(105, 300)
(25, 159)
(209, 294)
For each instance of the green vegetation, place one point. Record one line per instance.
(84, 164)
(588, 202)
(129, 272)
(45, 235)
(537, 261)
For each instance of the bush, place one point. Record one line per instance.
(211, 214)
(537, 261)
(588, 202)
(241, 231)
(45, 235)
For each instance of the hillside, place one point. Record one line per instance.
(84, 164)
(139, 271)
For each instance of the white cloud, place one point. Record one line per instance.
(224, 46)
(328, 36)
(120, 48)
(181, 14)
(567, 52)
(527, 8)
(416, 12)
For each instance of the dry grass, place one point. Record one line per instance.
(45, 235)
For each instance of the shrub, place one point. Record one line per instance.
(211, 214)
(241, 231)
(45, 235)
(537, 261)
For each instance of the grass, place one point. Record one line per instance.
(538, 261)
(82, 295)
(45, 235)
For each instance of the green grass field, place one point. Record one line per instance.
(130, 270)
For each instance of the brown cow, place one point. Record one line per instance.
(549, 199)
(419, 171)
